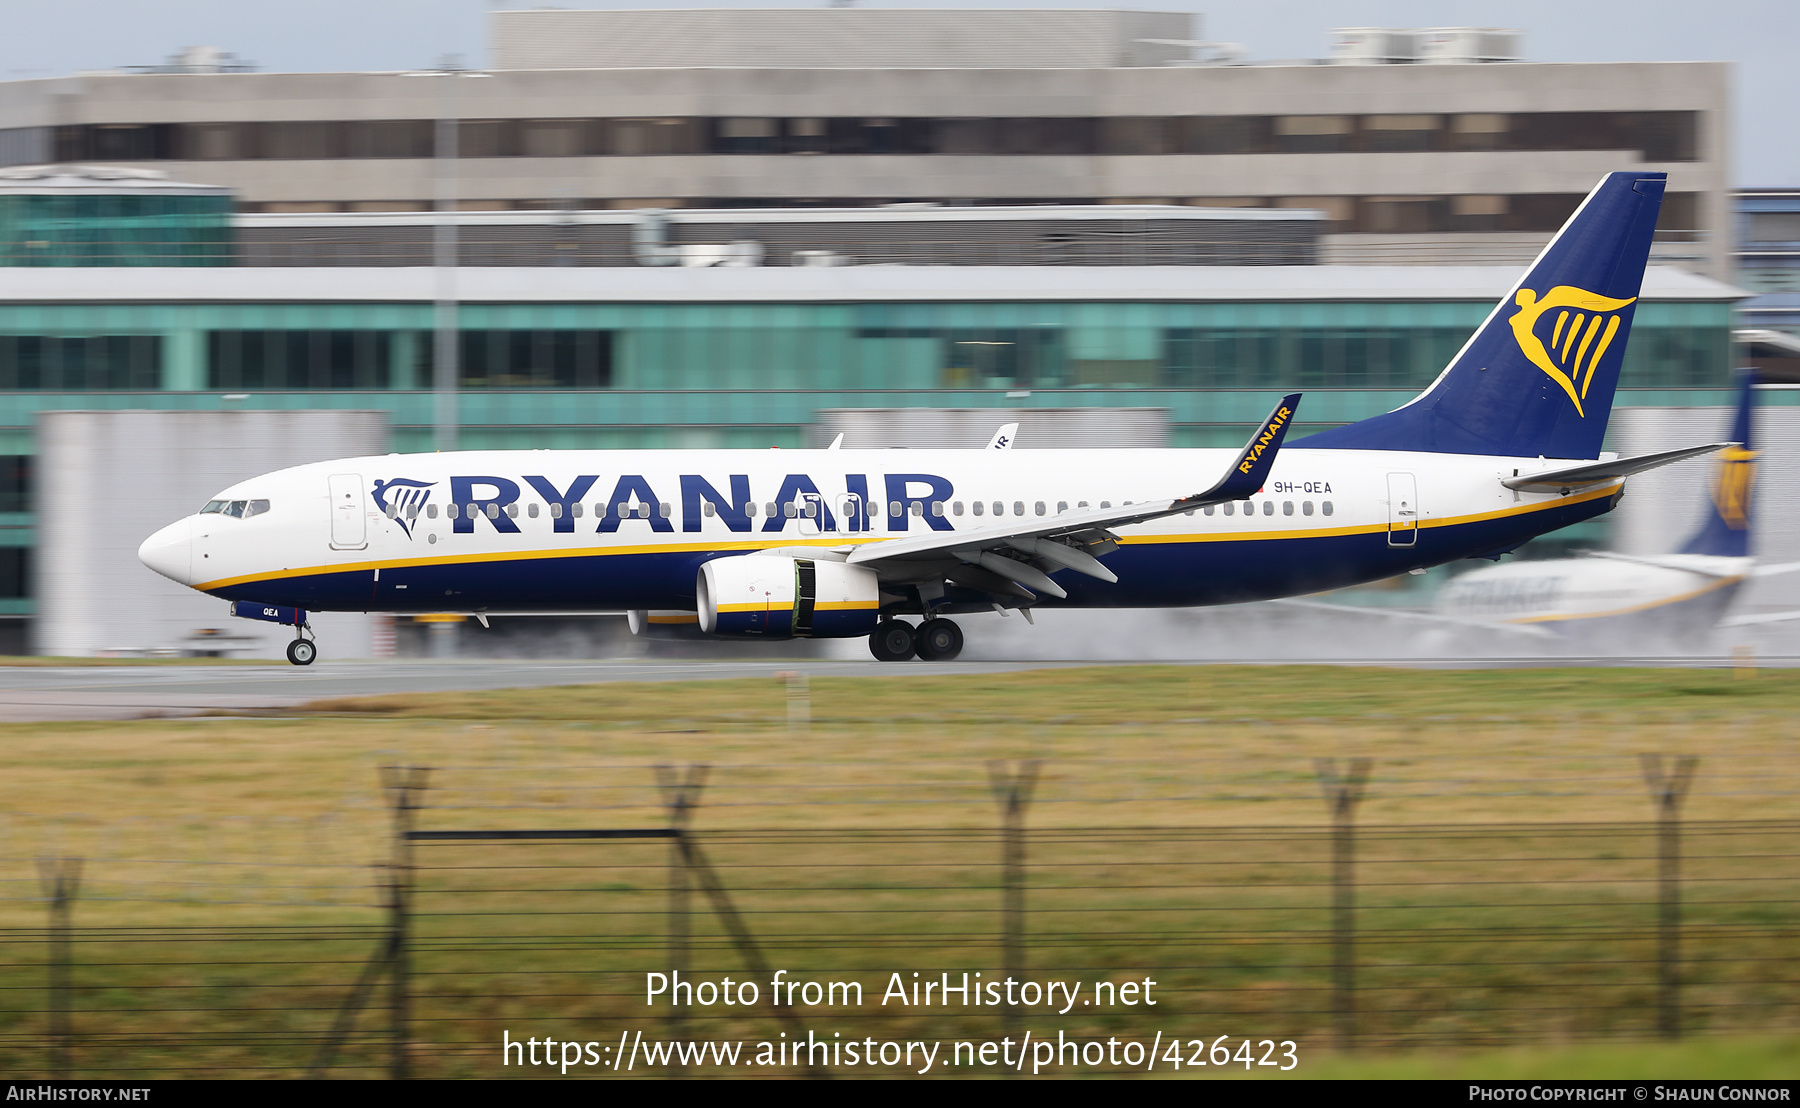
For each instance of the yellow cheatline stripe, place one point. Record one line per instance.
(1702, 591)
(780, 607)
(536, 555)
(845, 606)
(843, 540)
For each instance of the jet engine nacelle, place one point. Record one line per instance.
(663, 625)
(776, 597)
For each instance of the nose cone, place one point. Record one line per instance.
(170, 551)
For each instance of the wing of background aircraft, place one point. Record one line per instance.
(1011, 559)
(1525, 629)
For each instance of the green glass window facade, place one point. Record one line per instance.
(80, 362)
(115, 230)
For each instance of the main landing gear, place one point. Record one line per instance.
(935, 640)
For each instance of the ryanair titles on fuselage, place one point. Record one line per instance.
(468, 497)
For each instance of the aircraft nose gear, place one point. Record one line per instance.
(938, 640)
(301, 652)
(891, 641)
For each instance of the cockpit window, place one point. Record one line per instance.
(236, 509)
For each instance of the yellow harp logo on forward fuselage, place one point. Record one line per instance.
(1582, 325)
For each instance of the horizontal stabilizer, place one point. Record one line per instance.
(1594, 473)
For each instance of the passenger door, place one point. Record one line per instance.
(349, 521)
(1403, 510)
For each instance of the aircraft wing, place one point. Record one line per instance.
(1751, 621)
(1526, 629)
(1775, 570)
(1073, 540)
(1703, 565)
(1594, 473)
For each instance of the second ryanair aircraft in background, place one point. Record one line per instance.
(1504, 446)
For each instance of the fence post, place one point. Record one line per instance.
(1012, 788)
(1667, 790)
(681, 795)
(1342, 792)
(60, 878)
(402, 784)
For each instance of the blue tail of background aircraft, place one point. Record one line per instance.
(1537, 378)
(1725, 530)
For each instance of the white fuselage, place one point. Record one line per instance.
(610, 530)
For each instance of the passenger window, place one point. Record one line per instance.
(493, 511)
(789, 511)
(1018, 507)
(750, 509)
(1228, 507)
(1268, 507)
(895, 508)
(769, 509)
(1040, 507)
(213, 507)
(412, 510)
(1081, 503)
(1106, 504)
(918, 508)
(1062, 506)
(431, 511)
(1306, 507)
(390, 511)
(512, 511)
(1208, 509)
(575, 510)
(256, 508)
(450, 511)
(1325, 507)
(1287, 507)
(555, 511)
(665, 509)
(1249, 508)
(532, 510)
(956, 508)
(707, 509)
(937, 507)
(999, 508)
(978, 507)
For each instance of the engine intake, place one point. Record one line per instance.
(770, 596)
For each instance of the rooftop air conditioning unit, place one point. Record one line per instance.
(1468, 45)
(1372, 46)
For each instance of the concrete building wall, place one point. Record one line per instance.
(1282, 179)
(839, 38)
(108, 480)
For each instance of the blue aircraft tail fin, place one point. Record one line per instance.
(1537, 378)
(1725, 529)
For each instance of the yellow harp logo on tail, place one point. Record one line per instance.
(1584, 325)
(1731, 486)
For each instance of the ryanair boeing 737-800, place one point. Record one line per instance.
(1504, 446)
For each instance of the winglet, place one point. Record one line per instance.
(1003, 438)
(1247, 474)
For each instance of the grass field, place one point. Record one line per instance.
(1178, 830)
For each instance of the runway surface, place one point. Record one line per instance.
(140, 692)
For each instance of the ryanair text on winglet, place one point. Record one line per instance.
(1263, 440)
